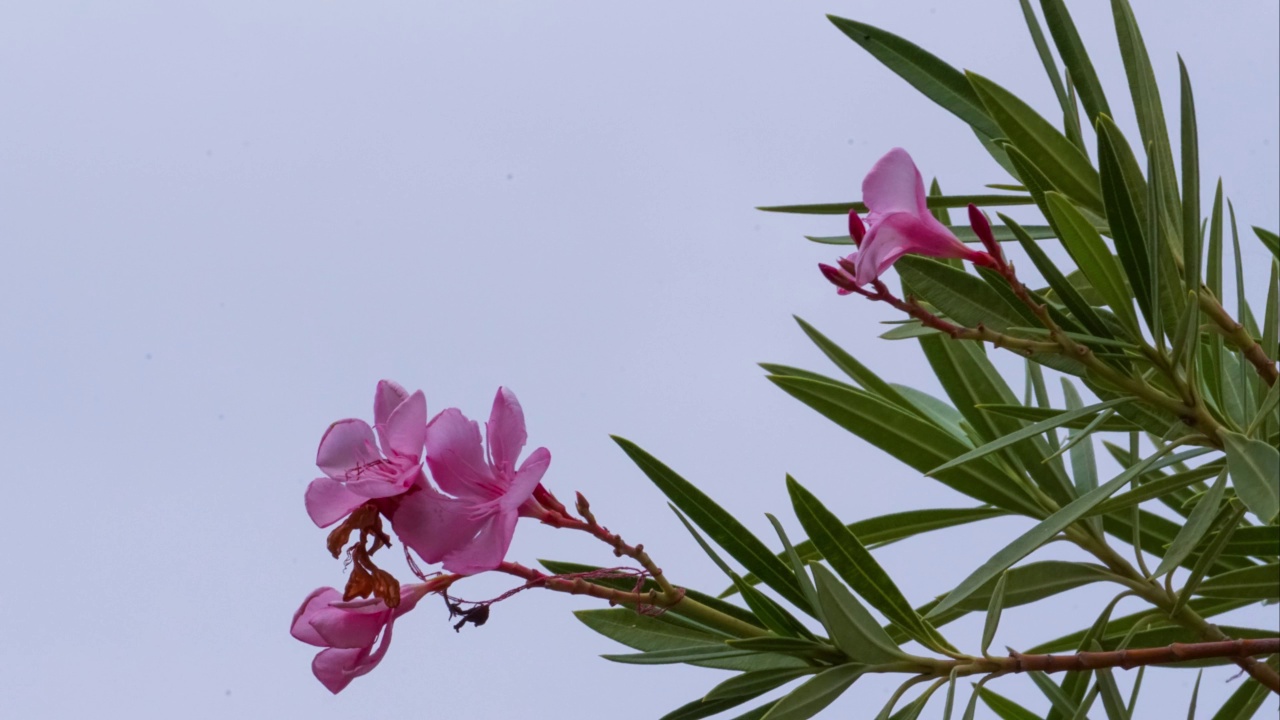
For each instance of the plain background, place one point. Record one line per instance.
(223, 222)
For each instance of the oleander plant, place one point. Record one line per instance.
(1123, 314)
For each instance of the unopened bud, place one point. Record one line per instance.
(857, 230)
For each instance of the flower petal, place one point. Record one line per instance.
(340, 628)
(893, 185)
(335, 668)
(405, 430)
(346, 445)
(328, 501)
(506, 432)
(526, 480)
(434, 525)
(316, 602)
(456, 457)
(489, 548)
(901, 233)
(386, 398)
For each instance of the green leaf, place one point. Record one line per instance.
(857, 567)
(1261, 541)
(752, 684)
(799, 647)
(1196, 527)
(885, 529)
(963, 233)
(722, 527)
(1112, 631)
(1225, 525)
(945, 201)
(1071, 298)
(1076, 58)
(1244, 702)
(816, 694)
(854, 369)
(1191, 250)
(1259, 582)
(1093, 258)
(1146, 103)
(1255, 473)
(1037, 536)
(650, 634)
(1030, 431)
(1068, 169)
(797, 568)
(1051, 69)
(852, 628)
(702, 708)
(916, 442)
(1022, 412)
(1005, 708)
(1058, 698)
(962, 297)
(937, 80)
(1157, 488)
(994, 609)
(1270, 240)
(1125, 220)
(692, 654)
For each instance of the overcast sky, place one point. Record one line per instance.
(223, 222)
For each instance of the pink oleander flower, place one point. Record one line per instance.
(356, 470)
(470, 529)
(898, 223)
(348, 631)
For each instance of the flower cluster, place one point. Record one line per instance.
(464, 521)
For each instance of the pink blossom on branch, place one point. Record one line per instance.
(469, 530)
(355, 469)
(898, 223)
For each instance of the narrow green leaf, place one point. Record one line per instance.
(1244, 702)
(1270, 240)
(1022, 412)
(857, 567)
(1071, 298)
(1124, 220)
(852, 628)
(963, 233)
(1225, 527)
(1260, 541)
(946, 201)
(692, 654)
(702, 708)
(1051, 69)
(1255, 473)
(1191, 251)
(1037, 536)
(1259, 582)
(797, 568)
(722, 527)
(816, 694)
(1058, 698)
(1196, 527)
(916, 442)
(752, 684)
(1195, 695)
(963, 297)
(1146, 103)
(1109, 632)
(854, 369)
(1093, 258)
(1005, 708)
(1157, 488)
(993, 612)
(1068, 169)
(650, 634)
(1076, 58)
(1029, 431)
(1084, 466)
(937, 80)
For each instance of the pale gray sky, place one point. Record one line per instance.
(223, 222)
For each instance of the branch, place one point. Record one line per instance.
(1127, 659)
(1235, 333)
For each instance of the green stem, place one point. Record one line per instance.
(692, 609)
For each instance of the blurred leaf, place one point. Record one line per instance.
(815, 694)
(1146, 103)
(852, 628)
(651, 635)
(1093, 258)
(1260, 582)
(915, 442)
(722, 527)
(1037, 536)
(1255, 473)
(937, 80)
(752, 684)
(857, 567)
(1068, 169)
(1076, 58)
(1196, 527)
(946, 201)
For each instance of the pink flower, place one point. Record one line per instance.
(356, 471)
(470, 529)
(348, 632)
(898, 222)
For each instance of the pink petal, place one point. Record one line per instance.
(328, 501)
(335, 668)
(901, 233)
(386, 398)
(434, 525)
(893, 185)
(405, 429)
(341, 628)
(505, 432)
(526, 481)
(316, 602)
(346, 445)
(456, 457)
(489, 548)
